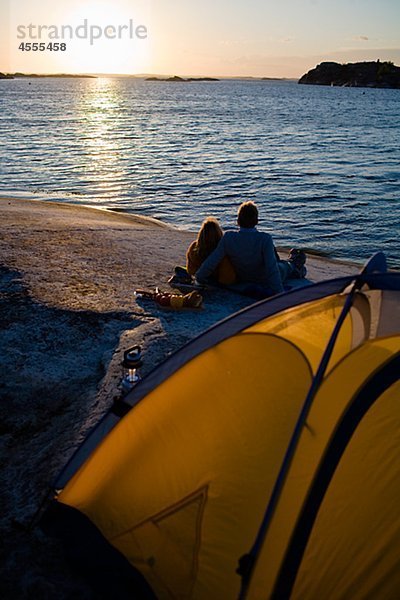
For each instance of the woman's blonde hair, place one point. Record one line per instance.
(208, 237)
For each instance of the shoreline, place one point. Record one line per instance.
(30, 197)
(141, 219)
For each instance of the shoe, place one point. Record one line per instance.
(182, 276)
(298, 258)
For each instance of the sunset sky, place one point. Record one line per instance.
(269, 38)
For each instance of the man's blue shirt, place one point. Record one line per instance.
(252, 255)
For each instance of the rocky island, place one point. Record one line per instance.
(178, 79)
(374, 74)
(56, 75)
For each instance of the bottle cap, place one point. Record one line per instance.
(132, 358)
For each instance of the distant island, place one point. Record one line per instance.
(37, 75)
(361, 74)
(275, 79)
(177, 79)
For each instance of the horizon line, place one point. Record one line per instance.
(143, 75)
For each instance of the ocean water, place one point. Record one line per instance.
(322, 163)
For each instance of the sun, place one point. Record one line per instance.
(116, 39)
(97, 36)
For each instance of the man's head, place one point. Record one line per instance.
(247, 215)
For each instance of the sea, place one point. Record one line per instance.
(322, 163)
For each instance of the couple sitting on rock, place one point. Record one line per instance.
(244, 260)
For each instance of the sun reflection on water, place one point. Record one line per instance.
(101, 109)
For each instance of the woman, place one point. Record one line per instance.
(207, 240)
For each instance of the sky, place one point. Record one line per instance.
(254, 38)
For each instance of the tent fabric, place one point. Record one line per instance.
(210, 448)
(354, 549)
(326, 412)
(180, 485)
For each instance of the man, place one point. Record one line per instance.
(252, 255)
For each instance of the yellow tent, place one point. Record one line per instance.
(262, 459)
